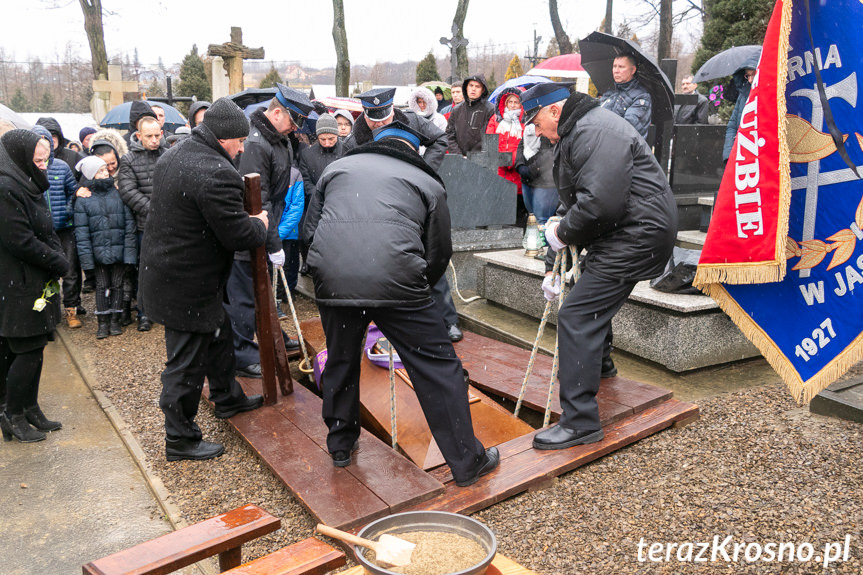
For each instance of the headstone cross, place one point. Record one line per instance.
(115, 85)
(234, 52)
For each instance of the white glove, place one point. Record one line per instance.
(551, 289)
(278, 258)
(551, 237)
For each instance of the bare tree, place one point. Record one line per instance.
(562, 39)
(462, 67)
(95, 36)
(608, 5)
(663, 48)
(340, 38)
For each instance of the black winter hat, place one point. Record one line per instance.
(226, 120)
(138, 110)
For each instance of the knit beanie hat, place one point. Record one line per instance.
(327, 125)
(90, 165)
(86, 131)
(226, 120)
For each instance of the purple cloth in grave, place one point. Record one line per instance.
(372, 337)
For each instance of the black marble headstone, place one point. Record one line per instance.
(696, 161)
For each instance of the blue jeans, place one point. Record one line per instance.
(541, 202)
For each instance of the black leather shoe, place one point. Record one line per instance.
(559, 437)
(291, 343)
(251, 371)
(247, 404)
(304, 270)
(342, 457)
(80, 310)
(492, 460)
(177, 449)
(144, 323)
(608, 368)
(454, 333)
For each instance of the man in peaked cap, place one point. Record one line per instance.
(378, 111)
(616, 204)
(197, 222)
(267, 152)
(384, 189)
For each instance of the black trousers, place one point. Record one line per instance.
(422, 343)
(109, 288)
(191, 357)
(241, 309)
(72, 279)
(442, 297)
(584, 336)
(20, 372)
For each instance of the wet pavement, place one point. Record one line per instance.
(77, 496)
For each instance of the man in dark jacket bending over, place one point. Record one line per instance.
(617, 205)
(196, 222)
(380, 236)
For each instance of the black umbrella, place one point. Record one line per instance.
(251, 96)
(727, 62)
(598, 52)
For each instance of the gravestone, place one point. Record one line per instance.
(233, 53)
(843, 399)
(696, 169)
(221, 84)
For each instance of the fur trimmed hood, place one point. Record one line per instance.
(423, 93)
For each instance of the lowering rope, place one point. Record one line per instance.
(393, 428)
(556, 272)
(305, 365)
(455, 286)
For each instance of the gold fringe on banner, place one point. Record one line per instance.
(768, 271)
(801, 391)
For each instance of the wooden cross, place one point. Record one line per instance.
(115, 85)
(234, 53)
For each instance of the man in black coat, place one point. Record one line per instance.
(135, 182)
(467, 123)
(617, 205)
(196, 222)
(380, 236)
(691, 113)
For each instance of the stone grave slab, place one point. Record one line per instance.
(843, 399)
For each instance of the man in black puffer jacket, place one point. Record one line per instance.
(135, 181)
(380, 237)
(617, 205)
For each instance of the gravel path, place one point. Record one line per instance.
(756, 468)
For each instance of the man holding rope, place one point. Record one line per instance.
(615, 203)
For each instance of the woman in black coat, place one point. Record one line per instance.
(30, 257)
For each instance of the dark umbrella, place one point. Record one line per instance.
(251, 96)
(10, 115)
(598, 52)
(118, 117)
(727, 62)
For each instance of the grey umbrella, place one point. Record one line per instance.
(9, 114)
(727, 62)
(598, 52)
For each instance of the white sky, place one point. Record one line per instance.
(378, 30)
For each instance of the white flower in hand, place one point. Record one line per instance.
(40, 304)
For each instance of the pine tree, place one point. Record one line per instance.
(427, 69)
(514, 70)
(19, 102)
(732, 23)
(272, 77)
(155, 88)
(491, 83)
(193, 79)
(46, 103)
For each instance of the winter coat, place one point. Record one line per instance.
(30, 251)
(540, 165)
(632, 102)
(314, 160)
(197, 223)
(135, 179)
(431, 102)
(615, 199)
(63, 185)
(434, 139)
(507, 142)
(379, 228)
(468, 120)
(104, 227)
(743, 88)
(692, 113)
(295, 200)
(68, 155)
(269, 154)
(193, 109)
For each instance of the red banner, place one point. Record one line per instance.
(746, 240)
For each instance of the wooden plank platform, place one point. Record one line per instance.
(291, 438)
